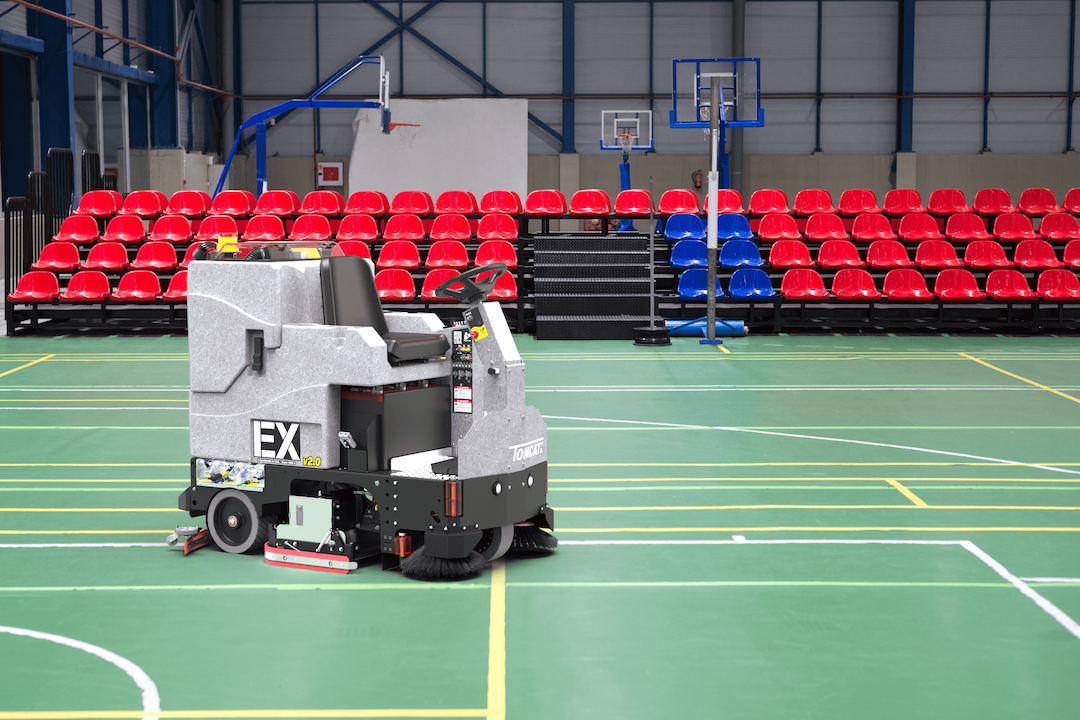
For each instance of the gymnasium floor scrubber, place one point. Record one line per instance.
(325, 432)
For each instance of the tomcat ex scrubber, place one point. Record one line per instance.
(325, 432)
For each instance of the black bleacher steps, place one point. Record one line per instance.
(597, 304)
(589, 327)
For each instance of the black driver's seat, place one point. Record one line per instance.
(350, 298)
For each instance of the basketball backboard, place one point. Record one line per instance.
(740, 90)
(617, 125)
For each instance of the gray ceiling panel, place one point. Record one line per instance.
(1029, 43)
(602, 66)
(784, 36)
(1027, 125)
(858, 126)
(950, 39)
(858, 47)
(947, 125)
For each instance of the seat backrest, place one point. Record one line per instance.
(695, 282)
(112, 253)
(545, 203)
(1059, 226)
(993, 201)
(311, 228)
(800, 280)
(918, 226)
(837, 250)
(451, 226)
(590, 203)
(447, 252)
(395, 283)
(189, 203)
(730, 226)
(1037, 250)
(461, 202)
(966, 226)
(872, 226)
(853, 280)
(1072, 254)
(501, 201)
(813, 200)
(265, 227)
(632, 202)
(825, 226)
(322, 202)
(1037, 202)
(857, 201)
(496, 251)
(91, 281)
(144, 281)
(728, 200)
(901, 201)
(984, 251)
(217, 226)
(679, 201)
(734, 253)
(750, 281)
(399, 253)
(276, 202)
(1004, 279)
(144, 203)
(955, 278)
(947, 201)
(1013, 226)
(125, 228)
(78, 228)
(886, 251)
(689, 253)
(41, 282)
(1058, 279)
(785, 253)
(434, 279)
(904, 279)
(930, 250)
(497, 226)
(358, 227)
(355, 248)
(62, 252)
(349, 294)
(156, 250)
(171, 228)
(412, 202)
(777, 226)
(234, 203)
(100, 203)
(681, 226)
(367, 202)
(768, 200)
(1071, 203)
(404, 227)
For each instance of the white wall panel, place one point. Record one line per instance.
(858, 47)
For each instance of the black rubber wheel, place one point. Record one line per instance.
(495, 542)
(234, 524)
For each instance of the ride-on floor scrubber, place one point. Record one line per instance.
(325, 431)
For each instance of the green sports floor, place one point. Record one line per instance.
(782, 527)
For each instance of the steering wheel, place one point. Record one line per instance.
(472, 290)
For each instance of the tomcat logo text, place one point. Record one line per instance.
(531, 449)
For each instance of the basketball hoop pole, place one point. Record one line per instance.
(713, 198)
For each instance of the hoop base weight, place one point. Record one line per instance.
(652, 336)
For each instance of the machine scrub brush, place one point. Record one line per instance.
(530, 539)
(421, 566)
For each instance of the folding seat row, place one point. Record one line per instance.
(745, 284)
(398, 284)
(443, 254)
(64, 257)
(92, 286)
(930, 254)
(687, 226)
(951, 284)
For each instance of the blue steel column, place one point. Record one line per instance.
(568, 76)
(906, 75)
(164, 103)
(99, 39)
(260, 158)
(986, 84)
(57, 79)
(1072, 63)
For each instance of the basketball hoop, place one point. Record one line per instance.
(627, 141)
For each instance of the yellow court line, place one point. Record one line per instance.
(907, 493)
(924, 506)
(199, 714)
(724, 350)
(813, 528)
(35, 362)
(814, 464)
(733, 479)
(1022, 379)
(496, 682)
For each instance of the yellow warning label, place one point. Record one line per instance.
(480, 332)
(227, 243)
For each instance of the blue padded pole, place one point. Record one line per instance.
(624, 184)
(260, 158)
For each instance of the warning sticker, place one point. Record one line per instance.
(479, 332)
(463, 406)
(462, 392)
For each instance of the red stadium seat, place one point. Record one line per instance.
(358, 227)
(399, 254)
(233, 203)
(171, 229)
(355, 248)
(854, 284)
(838, 254)
(367, 202)
(813, 201)
(501, 201)
(870, 227)
(86, 286)
(632, 204)
(1014, 226)
(451, 227)
(434, 279)
(966, 226)
(803, 284)
(310, 228)
(496, 251)
(776, 226)
(916, 227)
(590, 203)
(100, 204)
(1036, 202)
(395, 284)
(145, 204)
(1036, 255)
(217, 226)
(189, 204)
(264, 228)
(404, 227)
(279, 203)
(1059, 226)
(786, 254)
(158, 256)
(956, 284)
(461, 202)
(947, 201)
(322, 202)
(57, 257)
(766, 201)
(107, 256)
(858, 201)
(1058, 285)
(505, 288)
(936, 254)
(78, 229)
(545, 203)
(412, 202)
(678, 201)
(1008, 285)
(1072, 254)
(497, 226)
(447, 254)
(888, 254)
(907, 285)
(728, 201)
(177, 291)
(901, 201)
(1071, 203)
(138, 286)
(36, 286)
(991, 202)
(126, 229)
(189, 254)
(824, 226)
(986, 255)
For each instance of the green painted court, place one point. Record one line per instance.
(785, 526)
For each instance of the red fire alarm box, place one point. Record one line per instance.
(331, 173)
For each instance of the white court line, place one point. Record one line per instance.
(80, 545)
(1052, 580)
(817, 437)
(151, 700)
(1064, 620)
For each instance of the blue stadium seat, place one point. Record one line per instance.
(739, 254)
(684, 226)
(693, 285)
(750, 284)
(733, 227)
(689, 253)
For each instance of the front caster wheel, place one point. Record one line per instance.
(495, 542)
(234, 523)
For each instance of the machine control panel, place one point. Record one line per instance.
(461, 369)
